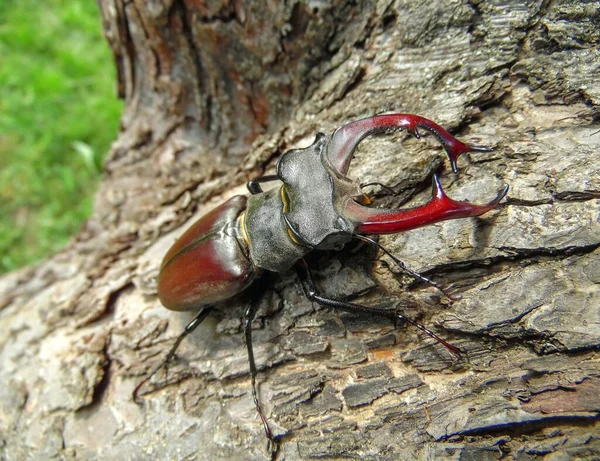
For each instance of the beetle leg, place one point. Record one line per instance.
(439, 208)
(254, 184)
(311, 292)
(165, 362)
(248, 318)
(405, 268)
(345, 139)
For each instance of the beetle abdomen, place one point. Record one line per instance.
(208, 263)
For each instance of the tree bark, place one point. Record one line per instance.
(215, 93)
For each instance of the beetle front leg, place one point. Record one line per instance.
(311, 292)
(405, 268)
(190, 327)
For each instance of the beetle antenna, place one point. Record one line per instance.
(388, 190)
(406, 269)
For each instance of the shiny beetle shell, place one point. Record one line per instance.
(208, 263)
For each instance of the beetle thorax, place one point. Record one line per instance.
(285, 223)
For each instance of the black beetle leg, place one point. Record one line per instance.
(407, 269)
(311, 292)
(254, 184)
(165, 362)
(249, 317)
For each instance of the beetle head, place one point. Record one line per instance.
(321, 204)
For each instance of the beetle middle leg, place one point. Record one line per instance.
(311, 292)
(190, 327)
(407, 269)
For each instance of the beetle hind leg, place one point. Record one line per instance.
(250, 313)
(190, 327)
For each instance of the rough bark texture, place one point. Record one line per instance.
(214, 94)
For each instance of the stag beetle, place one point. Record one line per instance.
(316, 208)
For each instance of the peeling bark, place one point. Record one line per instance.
(214, 94)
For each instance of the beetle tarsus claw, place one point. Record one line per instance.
(135, 393)
(273, 447)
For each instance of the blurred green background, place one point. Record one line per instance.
(58, 116)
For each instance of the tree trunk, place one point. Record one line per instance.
(215, 93)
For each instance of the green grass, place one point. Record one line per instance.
(58, 115)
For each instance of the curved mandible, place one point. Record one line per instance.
(439, 208)
(346, 138)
